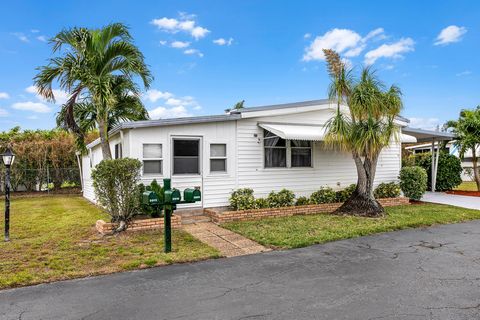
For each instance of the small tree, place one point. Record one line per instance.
(116, 189)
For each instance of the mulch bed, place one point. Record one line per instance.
(465, 193)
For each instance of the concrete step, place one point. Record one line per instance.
(195, 219)
(189, 212)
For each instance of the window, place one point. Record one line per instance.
(218, 157)
(186, 158)
(118, 151)
(152, 159)
(275, 151)
(301, 153)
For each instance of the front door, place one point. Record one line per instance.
(187, 165)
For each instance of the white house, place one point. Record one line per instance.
(264, 148)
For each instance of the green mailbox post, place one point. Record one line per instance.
(172, 197)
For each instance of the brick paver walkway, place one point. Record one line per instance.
(229, 243)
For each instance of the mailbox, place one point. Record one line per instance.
(191, 195)
(150, 198)
(172, 196)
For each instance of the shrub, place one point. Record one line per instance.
(413, 182)
(155, 187)
(343, 195)
(449, 170)
(116, 188)
(242, 199)
(283, 198)
(387, 190)
(261, 203)
(324, 195)
(302, 201)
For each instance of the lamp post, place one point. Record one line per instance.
(8, 157)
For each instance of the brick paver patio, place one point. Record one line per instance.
(229, 243)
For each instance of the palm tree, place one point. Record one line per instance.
(467, 132)
(88, 68)
(127, 106)
(363, 124)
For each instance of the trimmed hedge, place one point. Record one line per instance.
(387, 190)
(413, 182)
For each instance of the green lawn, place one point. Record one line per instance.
(54, 238)
(467, 186)
(301, 231)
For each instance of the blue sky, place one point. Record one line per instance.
(207, 55)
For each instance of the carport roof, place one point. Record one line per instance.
(428, 135)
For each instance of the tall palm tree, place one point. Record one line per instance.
(363, 124)
(127, 106)
(467, 132)
(88, 67)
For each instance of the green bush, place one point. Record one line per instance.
(283, 198)
(302, 201)
(387, 190)
(343, 195)
(449, 170)
(116, 188)
(261, 203)
(155, 187)
(324, 195)
(413, 182)
(242, 199)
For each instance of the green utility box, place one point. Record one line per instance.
(192, 195)
(150, 198)
(172, 196)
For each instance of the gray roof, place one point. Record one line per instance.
(283, 106)
(428, 135)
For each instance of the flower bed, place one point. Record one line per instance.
(139, 225)
(223, 215)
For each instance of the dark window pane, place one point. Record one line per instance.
(271, 140)
(275, 157)
(300, 143)
(185, 148)
(185, 165)
(301, 157)
(217, 165)
(152, 166)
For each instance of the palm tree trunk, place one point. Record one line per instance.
(102, 129)
(362, 201)
(475, 167)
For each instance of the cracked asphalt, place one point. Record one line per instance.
(431, 273)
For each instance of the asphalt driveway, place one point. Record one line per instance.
(429, 273)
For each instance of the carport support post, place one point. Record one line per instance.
(434, 164)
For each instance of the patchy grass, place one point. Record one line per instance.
(301, 231)
(54, 238)
(467, 186)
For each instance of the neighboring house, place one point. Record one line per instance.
(467, 173)
(263, 148)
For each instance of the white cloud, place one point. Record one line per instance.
(61, 96)
(3, 112)
(154, 95)
(393, 50)
(223, 42)
(179, 44)
(42, 38)
(20, 36)
(464, 73)
(307, 35)
(34, 31)
(163, 42)
(193, 51)
(185, 23)
(344, 41)
(4, 95)
(450, 34)
(175, 112)
(32, 106)
(425, 123)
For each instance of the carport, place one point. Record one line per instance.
(412, 135)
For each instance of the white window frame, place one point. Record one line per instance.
(153, 159)
(218, 158)
(120, 149)
(200, 141)
(288, 161)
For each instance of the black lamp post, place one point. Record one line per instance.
(8, 157)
